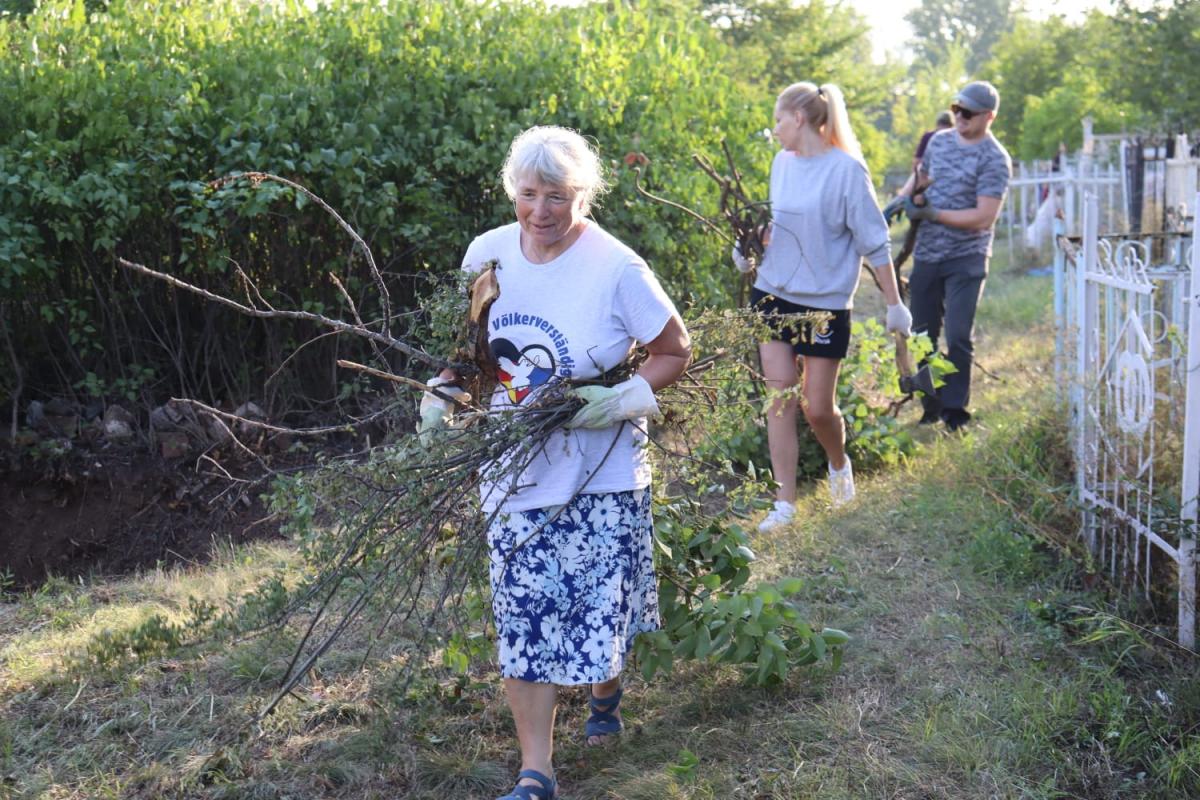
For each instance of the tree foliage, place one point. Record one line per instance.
(1134, 70)
(778, 42)
(774, 43)
(397, 113)
(940, 25)
(1027, 62)
(1054, 117)
(1150, 58)
(926, 89)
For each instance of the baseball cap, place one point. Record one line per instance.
(978, 96)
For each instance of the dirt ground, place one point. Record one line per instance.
(115, 513)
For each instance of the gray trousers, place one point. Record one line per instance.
(944, 294)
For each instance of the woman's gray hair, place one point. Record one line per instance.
(558, 156)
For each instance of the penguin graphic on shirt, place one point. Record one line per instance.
(521, 371)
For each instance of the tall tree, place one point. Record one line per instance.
(778, 42)
(975, 24)
(1136, 69)
(1028, 61)
(1154, 60)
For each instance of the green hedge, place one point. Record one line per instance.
(398, 114)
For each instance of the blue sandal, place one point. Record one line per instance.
(547, 791)
(603, 722)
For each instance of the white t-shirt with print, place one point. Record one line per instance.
(572, 318)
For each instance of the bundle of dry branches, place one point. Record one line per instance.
(749, 220)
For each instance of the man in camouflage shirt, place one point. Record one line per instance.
(967, 173)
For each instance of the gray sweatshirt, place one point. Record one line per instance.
(824, 222)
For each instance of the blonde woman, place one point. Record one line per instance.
(825, 221)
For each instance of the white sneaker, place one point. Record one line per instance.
(841, 485)
(780, 515)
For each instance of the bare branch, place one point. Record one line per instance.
(306, 316)
(16, 366)
(344, 428)
(256, 178)
(389, 376)
(637, 184)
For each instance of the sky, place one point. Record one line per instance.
(889, 31)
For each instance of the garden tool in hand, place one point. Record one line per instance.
(921, 381)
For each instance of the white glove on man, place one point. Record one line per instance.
(740, 261)
(608, 405)
(899, 320)
(436, 412)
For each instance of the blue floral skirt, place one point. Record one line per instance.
(569, 592)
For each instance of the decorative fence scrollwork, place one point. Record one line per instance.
(1128, 315)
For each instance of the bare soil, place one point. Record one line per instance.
(113, 513)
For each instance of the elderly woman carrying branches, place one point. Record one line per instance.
(570, 542)
(824, 222)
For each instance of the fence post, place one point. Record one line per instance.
(1073, 180)
(1126, 217)
(1009, 217)
(1083, 350)
(1191, 458)
(1060, 260)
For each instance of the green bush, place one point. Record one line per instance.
(397, 114)
(734, 429)
(868, 385)
(711, 611)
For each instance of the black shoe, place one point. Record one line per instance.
(930, 416)
(955, 418)
(933, 410)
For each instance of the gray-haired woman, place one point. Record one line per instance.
(571, 563)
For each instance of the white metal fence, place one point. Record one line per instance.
(1128, 315)
(1041, 192)
(1139, 187)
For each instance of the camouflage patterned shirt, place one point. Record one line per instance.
(961, 172)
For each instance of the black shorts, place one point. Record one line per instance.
(826, 340)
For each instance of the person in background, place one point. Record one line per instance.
(825, 221)
(572, 571)
(944, 121)
(965, 173)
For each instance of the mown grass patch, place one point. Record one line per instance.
(63, 622)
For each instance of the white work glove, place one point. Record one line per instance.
(608, 405)
(899, 320)
(436, 412)
(740, 261)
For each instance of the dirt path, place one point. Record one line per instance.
(113, 516)
(925, 572)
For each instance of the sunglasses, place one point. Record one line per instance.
(965, 113)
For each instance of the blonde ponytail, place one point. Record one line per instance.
(837, 130)
(825, 109)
